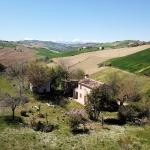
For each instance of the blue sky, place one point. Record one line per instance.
(75, 20)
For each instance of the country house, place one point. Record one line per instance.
(84, 87)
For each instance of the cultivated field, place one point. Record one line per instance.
(9, 55)
(89, 61)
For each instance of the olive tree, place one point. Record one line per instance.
(8, 101)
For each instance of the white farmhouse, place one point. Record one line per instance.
(84, 88)
(45, 88)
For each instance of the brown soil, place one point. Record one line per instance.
(89, 61)
(10, 55)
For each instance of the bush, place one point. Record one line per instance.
(112, 105)
(129, 113)
(100, 65)
(39, 126)
(2, 68)
(108, 64)
(23, 113)
(48, 127)
(41, 115)
(73, 121)
(64, 102)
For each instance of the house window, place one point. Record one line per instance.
(81, 87)
(80, 95)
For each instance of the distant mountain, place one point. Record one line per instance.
(54, 45)
(69, 46)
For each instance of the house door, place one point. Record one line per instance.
(76, 97)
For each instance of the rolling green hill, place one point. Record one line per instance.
(117, 44)
(51, 54)
(136, 62)
(7, 44)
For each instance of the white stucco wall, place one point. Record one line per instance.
(82, 92)
(44, 87)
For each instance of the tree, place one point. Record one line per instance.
(38, 75)
(68, 66)
(17, 71)
(97, 100)
(6, 100)
(124, 88)
(78, 74)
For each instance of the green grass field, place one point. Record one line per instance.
(117, 44)
(15, 136)
(133, 63)
(104, 74)
(4, 44)
(44, 52)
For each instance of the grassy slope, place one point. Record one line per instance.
(7, 44)
(118, 44)
(16, 137)
(134, 62)
(43, 52)
(104, 74)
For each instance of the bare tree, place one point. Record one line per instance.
(67, 64)
(17, 71)
(7, 100)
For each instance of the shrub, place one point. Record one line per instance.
(41, 115)
(75, 118)
(129, 113)
(23, 113)
(2, 68)
(73, 121)
(100, 65)
(112, 105)
(64, 102)
(48, 127)
(108, 64)
(39, 126)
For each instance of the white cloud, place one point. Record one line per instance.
(53, 41)
(76, 40)
(29, 39)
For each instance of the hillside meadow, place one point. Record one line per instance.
(105, 72)
(133, 63)
(18, 135)
(88, 61)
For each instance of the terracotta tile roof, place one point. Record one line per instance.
(90, 83)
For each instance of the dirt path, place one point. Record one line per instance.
(89, 61)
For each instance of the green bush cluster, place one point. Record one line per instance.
(23, 112)
(43, 127)
(104, 64)
(130, 112)
(2, 68)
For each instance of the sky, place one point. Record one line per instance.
(75, 20)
